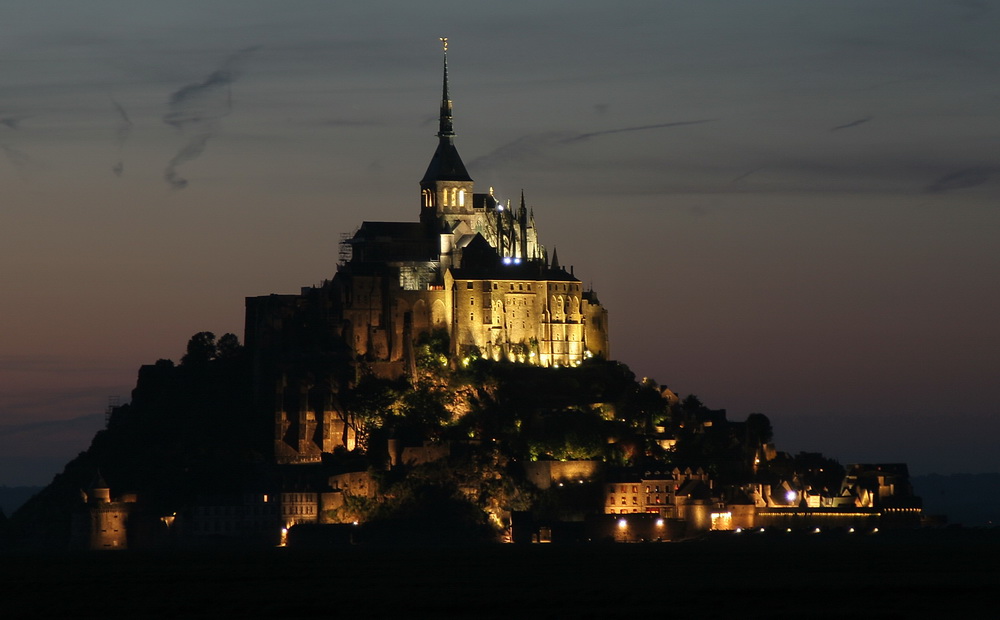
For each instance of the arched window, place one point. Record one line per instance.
(461, 197)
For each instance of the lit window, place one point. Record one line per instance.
(461, 197)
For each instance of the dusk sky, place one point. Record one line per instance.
(787, 207)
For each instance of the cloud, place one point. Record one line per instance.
(594, 134)
(535, 145)
(197, 110)
(11, 122)
(960, 179)
(525, 147)
(860, 121)
(745, 175)
(87, 422)
(51, 363)
(35, 451)
(122, 132)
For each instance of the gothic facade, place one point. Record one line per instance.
(471, 266)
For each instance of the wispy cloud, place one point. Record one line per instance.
(534, 145)
(594, 134)
(51, 363)
(960, 179)
(860, 121)
(198, 109)
(525, 147)
(122, 133)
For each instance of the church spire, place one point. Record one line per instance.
(445, 127)
(446, 164)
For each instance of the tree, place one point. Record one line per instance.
(228, 347)
(201, 349)
(759, 430)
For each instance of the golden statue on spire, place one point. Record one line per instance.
(444, 42)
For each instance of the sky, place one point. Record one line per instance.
(787, 207)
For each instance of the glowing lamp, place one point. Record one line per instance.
(622, 524)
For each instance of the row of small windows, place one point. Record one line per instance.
(450, 197)
(635, 488)
(521, 286)
(635, 500)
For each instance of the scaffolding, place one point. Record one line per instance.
(113, 403)
(345, 248)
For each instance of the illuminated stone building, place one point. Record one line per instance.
(471, 267)
(661, 493)
(101, 523)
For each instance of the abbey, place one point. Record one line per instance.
(471, 267)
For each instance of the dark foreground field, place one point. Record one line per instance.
(916, 575)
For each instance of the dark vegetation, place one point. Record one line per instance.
(193, 430)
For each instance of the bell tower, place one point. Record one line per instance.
(446, 189)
